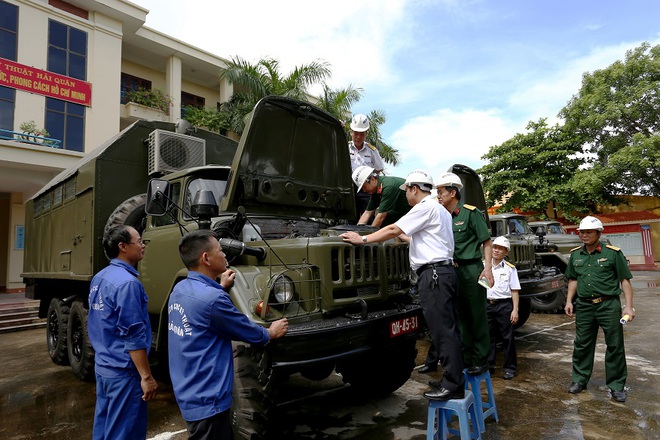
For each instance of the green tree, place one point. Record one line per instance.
(616, 116)
(338, 102)
(255, 81)
(389, 154)
(531, 170)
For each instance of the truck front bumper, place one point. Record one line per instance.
(548, 280)
(329, 340)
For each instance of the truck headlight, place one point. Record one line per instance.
(283, 289)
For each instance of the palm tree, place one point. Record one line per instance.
(256, 81)
(388, 153)
(339, 102)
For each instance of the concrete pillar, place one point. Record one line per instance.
(16, 241)
(173, 79)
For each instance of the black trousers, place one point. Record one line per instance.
(217, 427)
(500, 327)
(438, 296)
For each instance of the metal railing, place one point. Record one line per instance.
(30, 138)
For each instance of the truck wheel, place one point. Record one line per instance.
(380, 372)
(130, 212)
(524, 310)
(253, 396)
(57, 320)
(81, 353)
(550, 303)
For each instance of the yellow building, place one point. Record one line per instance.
(65, 67)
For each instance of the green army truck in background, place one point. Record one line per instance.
(540, 265)
(280, 198)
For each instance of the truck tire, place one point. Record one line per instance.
(550, 303)
(524, 310)
(57, 320)
(81, 353)
(253, 396)
(130, 212)
(381, 372)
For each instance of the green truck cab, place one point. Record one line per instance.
(282, 196)
(540, 265)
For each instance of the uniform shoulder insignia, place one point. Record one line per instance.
(470, 207)
(614, 248)
(575, 249)
(509, 264)
(371, 146)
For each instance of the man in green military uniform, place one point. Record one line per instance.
(387, 201)
(598, 274)
(470, 232)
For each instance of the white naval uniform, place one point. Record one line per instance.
(366, 156)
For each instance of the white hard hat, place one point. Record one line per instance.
(361, 174)
(360, 122)
(502, 241)
(449, 179)
(590, 222)
(419, 177)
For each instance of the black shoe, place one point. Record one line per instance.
(428, 369)
(508, 375)
(576, 388)
(435, 383)
(475, 371)
(444, 394)
(619, 396)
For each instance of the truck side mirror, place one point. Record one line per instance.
(158, 198)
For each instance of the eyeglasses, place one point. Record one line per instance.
(138, 242)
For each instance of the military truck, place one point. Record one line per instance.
(554, 233)
(540, 265)
(279, 200)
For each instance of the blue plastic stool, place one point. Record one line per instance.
(441, 411)
(484, 408)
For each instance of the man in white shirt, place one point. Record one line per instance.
(362, 153)
(428, 226)
(502, 307)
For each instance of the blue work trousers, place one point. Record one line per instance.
(120, 411)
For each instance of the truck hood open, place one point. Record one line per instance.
(472, 192)
(292, 160)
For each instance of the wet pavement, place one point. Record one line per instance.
(39, 400)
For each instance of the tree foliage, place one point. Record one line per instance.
(255, 81)
(609, 145)
(615, 115)
(531, 170)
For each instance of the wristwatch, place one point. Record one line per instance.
(364, 239)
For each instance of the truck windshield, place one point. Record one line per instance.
(214, 185)
(517, 226)
(556, 229)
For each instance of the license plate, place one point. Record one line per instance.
(403, 326)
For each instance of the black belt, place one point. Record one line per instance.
(433, 265)
(499, 300)
(598, 299)
(459, 263)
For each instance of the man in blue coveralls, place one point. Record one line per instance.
(120, 333)
(202, 323)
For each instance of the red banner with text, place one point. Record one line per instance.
(21, 77)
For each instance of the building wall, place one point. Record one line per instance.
(4, 238)
(103, 60)
(642, 203)
(115, 36)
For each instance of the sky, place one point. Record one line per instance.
(453, 77)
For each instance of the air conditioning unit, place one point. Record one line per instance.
(169, 152)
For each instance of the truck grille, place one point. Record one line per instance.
(359, 269)
(522, 255)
